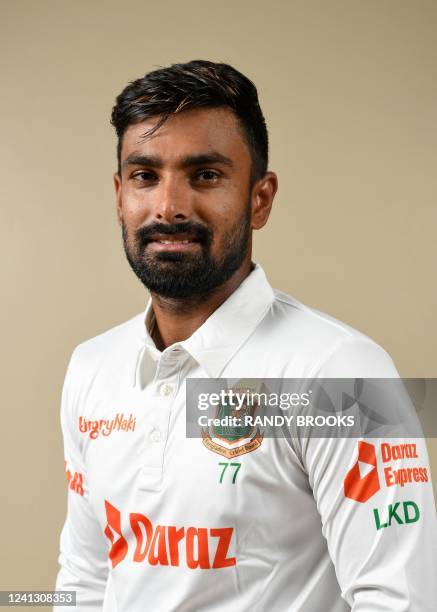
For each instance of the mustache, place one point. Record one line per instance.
(198, 231)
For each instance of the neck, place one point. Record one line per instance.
(177, 319)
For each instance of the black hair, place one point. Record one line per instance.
(199, 83)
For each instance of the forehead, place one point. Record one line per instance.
(189, 132)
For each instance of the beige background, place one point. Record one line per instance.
(349, 91)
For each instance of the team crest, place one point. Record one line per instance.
(231, 436)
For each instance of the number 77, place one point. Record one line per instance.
(225, 465)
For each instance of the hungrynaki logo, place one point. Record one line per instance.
(193, 547)
(362, 480)
(106, 426)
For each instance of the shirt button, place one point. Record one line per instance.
(166, 390)
(155, 436)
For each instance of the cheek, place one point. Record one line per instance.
(225, 229)
(133, 208)
(221, 210)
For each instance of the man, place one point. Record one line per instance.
(159, 521)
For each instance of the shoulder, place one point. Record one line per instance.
(108, 347)
(328, 346)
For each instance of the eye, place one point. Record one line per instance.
(207, 176)
(143, 176)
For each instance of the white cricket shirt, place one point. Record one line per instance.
(157, 521)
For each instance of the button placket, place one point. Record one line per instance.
(166, 389)
(157, 430)
(159, 400)
(155, 436)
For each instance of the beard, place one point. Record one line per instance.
(184, 275)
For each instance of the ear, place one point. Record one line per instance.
(117, 188)
(263, 193)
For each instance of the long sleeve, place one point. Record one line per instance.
(376, 504)
(83, 549)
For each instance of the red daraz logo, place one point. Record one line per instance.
(195, 547)
(119, 546)
(362, 487)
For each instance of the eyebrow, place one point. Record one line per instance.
(200, 159)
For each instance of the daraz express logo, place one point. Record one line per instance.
(194, 547)
(361, 488)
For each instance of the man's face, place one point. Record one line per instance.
(184, 202)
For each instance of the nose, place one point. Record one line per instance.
(173, 200)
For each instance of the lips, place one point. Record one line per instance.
(164, 237)
(172, 242)
(173, 239)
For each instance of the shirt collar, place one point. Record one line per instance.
(216, 341)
